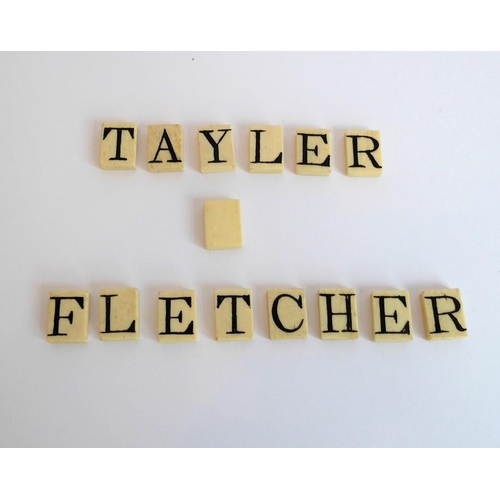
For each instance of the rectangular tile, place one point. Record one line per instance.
(119, 314)
(118, 146)
(363, 150)
(266, 149)
(223, 224)
(177, 320)
(391, 316)
(338, 314)
(68, 319)
(216, 149)
(165, 148)
(314, 151)
(233, 314)
(287, 313)
(444, 316)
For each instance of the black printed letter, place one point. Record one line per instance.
(119, 131)
(57, 313)
(168, 316)
(330, 313)
(394, 315)
(215, 145)
(234, 308)
(278, 159)
(276, 318)
(107, 328)
(169, 148)
(436, 313)
(305, 149)
(368, 152)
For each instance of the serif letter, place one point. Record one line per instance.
(57, 313)
(169, 317)
(119, 132)
(234, 309)
(444, 316)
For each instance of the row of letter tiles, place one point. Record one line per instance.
(444, 318)
(165, 149)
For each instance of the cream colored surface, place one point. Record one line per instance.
(224, 317)
(124, 310)
(339, 319)
(271, 147)
(369, 169)
(76, 330)
(164, 156)
(321, 151)
(396, 316)
(181, 316)
(290, 314)
(223, 224)
(225, 147)
(444, 306)
(128, 148)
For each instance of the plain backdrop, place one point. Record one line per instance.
(431, 220)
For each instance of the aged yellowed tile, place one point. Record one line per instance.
(216, 149)
(165, 148)
(444, 316)
(119, 314)
(118, 146)
(68, 319)
(363, 151)
(233, 314)
(338, 314)
(266, 149)
(223, 224)
(177, 321)
(287, 313)
(391, 316)
(314, 151)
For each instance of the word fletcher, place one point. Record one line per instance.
(68, 319)
(165, 151)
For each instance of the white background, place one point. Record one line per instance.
(432, 220)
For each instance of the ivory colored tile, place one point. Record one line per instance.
(223, 224)
(287, 313)
(233, 314)
(118, 145)
(338, 314)
(165, 148)
(266, 149)
(363, 150)
(119, 314)
(391, 316)
(177, 316)
(216, 149)
(314, 151)
(444, 316)
(68, 319)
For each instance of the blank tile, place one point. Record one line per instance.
(216, 149)
(363, 150)
(165, 148)
(287, 313)
(338, 314)
(266, 149)
(314, 151)
(118, 145)
(223, 224)
(119, 314)
(444, 316)
(391, 316)
(177, 316)
(233, 314)
(68, 319)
